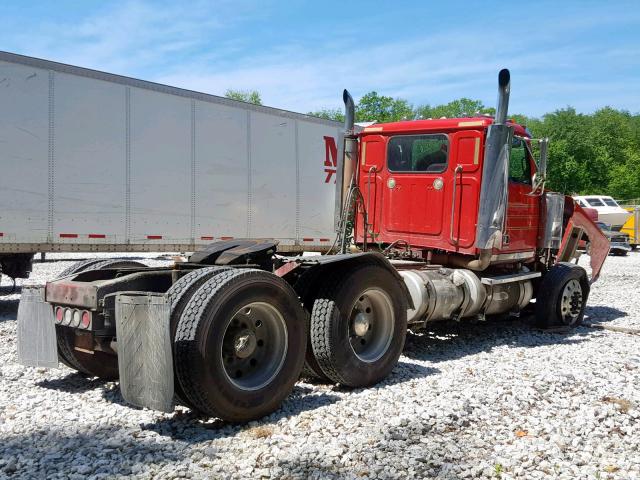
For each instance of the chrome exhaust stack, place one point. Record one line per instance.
(495, 175)
(345, 175)
(504, 89)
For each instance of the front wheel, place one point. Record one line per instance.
(562, 296)
(358, 326)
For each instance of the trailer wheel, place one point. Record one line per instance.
(240, 345)
(98, 364)
(178, 296)
(358, 326)
(562, 296)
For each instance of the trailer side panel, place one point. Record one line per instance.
(98, 162)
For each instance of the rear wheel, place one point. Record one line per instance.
(562, 296)
(305, 288)
(88, 362)
(96, 364)
(358, 326)
(178, 296)
(240, 345)
(80, 267)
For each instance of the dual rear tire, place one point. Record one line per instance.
(90, 363)
(239, 345)
(241, 337)
(358, 326)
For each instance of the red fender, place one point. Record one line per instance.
(599, 243)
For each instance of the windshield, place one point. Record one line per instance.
(595, 202)
(602, 225)
(610, 202)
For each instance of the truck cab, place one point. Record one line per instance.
(421, 184)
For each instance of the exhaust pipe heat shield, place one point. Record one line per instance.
(494, 190)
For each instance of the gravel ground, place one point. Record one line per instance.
(491, 400)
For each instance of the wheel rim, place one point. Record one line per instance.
(254, 346)
(571, 302)
(371, 325)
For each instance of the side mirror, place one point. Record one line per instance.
(540, 177)
(542, 165)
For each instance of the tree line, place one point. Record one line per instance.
(596, 153)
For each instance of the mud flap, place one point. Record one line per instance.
(36, 330)
(144, 350)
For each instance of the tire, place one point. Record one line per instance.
(178, 296)
(98, 364)
(115, 263)
(310, 370)
(260, 367)
(70, 270)
(373, 295)
(562, 296)
(79, 267)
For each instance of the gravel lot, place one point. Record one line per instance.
(491, 400)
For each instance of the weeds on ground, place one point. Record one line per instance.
(623, 405)
(262, 431)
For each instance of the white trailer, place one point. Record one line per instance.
(91, 161)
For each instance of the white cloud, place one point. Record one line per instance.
(196, 47)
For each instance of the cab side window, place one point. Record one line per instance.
(418, 153)
(519, 166)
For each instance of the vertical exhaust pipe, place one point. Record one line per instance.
(349, 112)
(492, 211)
(347, 163)
(504, 88)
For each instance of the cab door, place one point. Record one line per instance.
(463, 206)
(415, 189)
(523, 209)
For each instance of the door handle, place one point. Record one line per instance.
(452, 240)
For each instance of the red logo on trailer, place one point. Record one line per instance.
(330, 158)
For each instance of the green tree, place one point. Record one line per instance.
(329, 114)
(249, 96)
(382, 109)
(462, 107)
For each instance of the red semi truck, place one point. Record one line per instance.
(435, 219)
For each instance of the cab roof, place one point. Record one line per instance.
(438, 125)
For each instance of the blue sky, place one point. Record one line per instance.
(300, 55)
